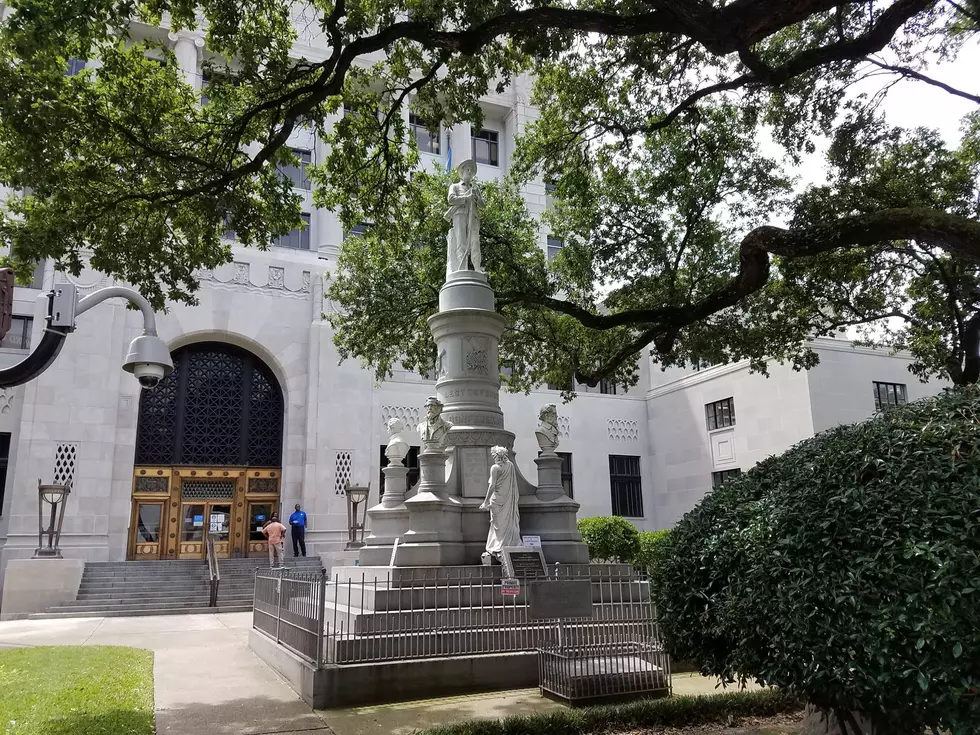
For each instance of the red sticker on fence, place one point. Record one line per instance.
(510, 586)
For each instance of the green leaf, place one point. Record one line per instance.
(957, 650)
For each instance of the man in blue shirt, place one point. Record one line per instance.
(297, 522)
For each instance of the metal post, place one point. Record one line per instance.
(278, 604)
(320, 615)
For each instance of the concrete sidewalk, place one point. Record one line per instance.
(207, 680)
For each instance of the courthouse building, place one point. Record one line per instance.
(259, 414)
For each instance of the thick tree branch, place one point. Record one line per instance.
(952, 233)
(912, 74)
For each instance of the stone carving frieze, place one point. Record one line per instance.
(476, 419)
(477, 438)
(241, 280)
(477, 358)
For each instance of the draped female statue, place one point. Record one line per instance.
(502, 502)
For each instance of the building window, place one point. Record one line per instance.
(555, 244)
(486, 147)
(550, 186)
(624, 483)
(37, 280)
(427, 141)
(297, 173)
(19, 336)
(720, 478)
(566, 472)
(607, 387)
(360, 228)
(74, 67)
(720, 414)
(411, 461)
(229, 231)
(297, 239)
(889, 394)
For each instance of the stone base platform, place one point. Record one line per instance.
(393, 633)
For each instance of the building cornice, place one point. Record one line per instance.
(825, 344)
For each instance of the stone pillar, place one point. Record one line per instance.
(549, 476)
(389, 519)
(187, 49)
(434, 536)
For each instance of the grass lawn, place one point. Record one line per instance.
(76, 690)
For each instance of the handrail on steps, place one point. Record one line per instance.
(214, 574)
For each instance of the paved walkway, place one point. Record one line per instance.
(208, 680)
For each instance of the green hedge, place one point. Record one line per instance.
(610, 539)
(646, 713)
(653, 548)
(844, 570)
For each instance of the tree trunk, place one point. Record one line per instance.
(834, 722)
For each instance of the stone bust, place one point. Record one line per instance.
(547, 432)
(397, 448)
(434, 430)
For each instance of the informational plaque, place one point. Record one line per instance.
(552, 599)
(533, 541)
(524, 562)
(510, 587)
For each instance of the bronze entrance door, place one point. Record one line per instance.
(208, 449)
(177, 509)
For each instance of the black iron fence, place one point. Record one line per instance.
(401, 614)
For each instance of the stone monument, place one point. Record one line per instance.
(502, 502)
(445, 524)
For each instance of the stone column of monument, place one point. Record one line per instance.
(446, 525)
(550, 513)
(389, 518)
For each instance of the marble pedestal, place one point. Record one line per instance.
(388, 519)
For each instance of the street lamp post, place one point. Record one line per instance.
(148, 358)
(356, 514)
(56, 497)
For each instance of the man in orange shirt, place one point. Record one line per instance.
(275, 532)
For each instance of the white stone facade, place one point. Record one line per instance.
(270, 303)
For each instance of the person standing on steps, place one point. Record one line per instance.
(297, 522)
(275, 532)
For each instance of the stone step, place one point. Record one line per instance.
(368, 623)
(468, 574)
(142, 613)
(380, 598)
(473, 641)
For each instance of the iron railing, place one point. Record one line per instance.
(591, 673)
(214, 574)
(437, 612)
(289, 607)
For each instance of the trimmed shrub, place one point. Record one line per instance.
(646, 713)
(610, 539)
(844, 571)
(653, 546)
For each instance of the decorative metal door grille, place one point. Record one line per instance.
(221, 406)
(153, 484)
(207, 489)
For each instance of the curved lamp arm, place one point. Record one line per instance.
(53, 339)
(134, 297)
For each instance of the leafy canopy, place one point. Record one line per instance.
(649, 120)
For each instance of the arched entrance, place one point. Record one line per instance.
(208, 456)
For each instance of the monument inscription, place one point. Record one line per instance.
(524, 563)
